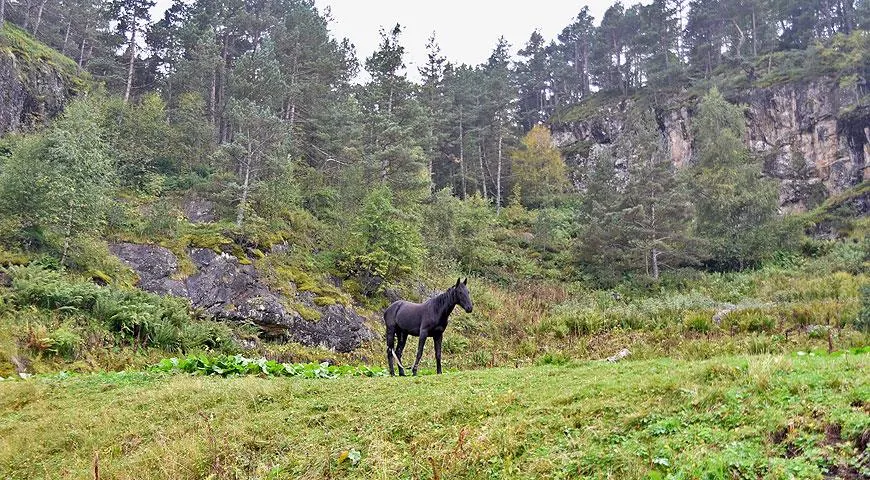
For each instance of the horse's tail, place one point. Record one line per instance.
(390, 323)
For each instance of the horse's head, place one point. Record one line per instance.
(460, 293)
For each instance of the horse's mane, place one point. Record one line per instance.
(442, 299)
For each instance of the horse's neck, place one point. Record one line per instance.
(444, 305)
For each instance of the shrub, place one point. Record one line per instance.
(64, 342)
(138, 316)
(863, 322)
(700, 322)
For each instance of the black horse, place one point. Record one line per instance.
(422, 320)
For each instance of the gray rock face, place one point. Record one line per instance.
(154, 265)
(225, 289)
(198, 210)
(29, 97)
(818, 123)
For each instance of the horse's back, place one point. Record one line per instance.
(391, 311)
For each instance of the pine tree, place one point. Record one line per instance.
(656, 211)
(132, 16)
(735, 204)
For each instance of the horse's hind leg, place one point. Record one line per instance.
(403, 337)
(391, 333)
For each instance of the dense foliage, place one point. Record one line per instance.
(354, 193)
(253, 105)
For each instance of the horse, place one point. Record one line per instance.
(428, 319)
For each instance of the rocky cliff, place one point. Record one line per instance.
(35, 81)
(814, 136)
(225, 289)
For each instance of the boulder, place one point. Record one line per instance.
(154, 265)
(225, 289)
(198, 210)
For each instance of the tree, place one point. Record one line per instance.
(131, 16)
(538, 168)
(572, 55)
(655, 206)
(499, 105)
(396, 122)
(736, 205)
(432, 95)
(533, 82)
(137, 134)
(58, 183)
(386, 245)
(256, 149)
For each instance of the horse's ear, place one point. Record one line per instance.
(465, 282)
(457, 282)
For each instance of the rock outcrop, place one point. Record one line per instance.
(226, 289)
(33, 87)
(814, 136)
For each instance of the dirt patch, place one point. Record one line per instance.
(862, 440)
(832, 434)
(780, 435)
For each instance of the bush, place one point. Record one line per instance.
(863, 322)
(700, 322)
(386, 246)
(64, 342)
(145, 318)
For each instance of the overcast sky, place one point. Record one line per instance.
(467, 30)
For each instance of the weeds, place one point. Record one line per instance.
(226, 366)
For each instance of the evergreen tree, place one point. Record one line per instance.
(735, 204)
(533, 83)
(132, 16)
(655, 207)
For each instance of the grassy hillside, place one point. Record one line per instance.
(740, 417)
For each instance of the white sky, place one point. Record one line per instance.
(467, 30)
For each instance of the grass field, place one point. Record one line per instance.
(793, 416)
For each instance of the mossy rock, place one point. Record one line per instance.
(307, 313)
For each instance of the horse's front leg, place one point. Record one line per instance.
(423, 335)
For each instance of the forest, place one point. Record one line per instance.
(230, 190)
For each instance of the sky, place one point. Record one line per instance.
(466, 30)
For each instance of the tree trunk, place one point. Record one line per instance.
(213, 96)
(39, 17)
(65, 37)
(240, 215)
(461, 156)
(82, 48)
(654, 256)
(754, 35)
(132, 61)
(221, 129)
(482, 174)
(68, 233)
(498, 171)
(27, 7)
(292, 119)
